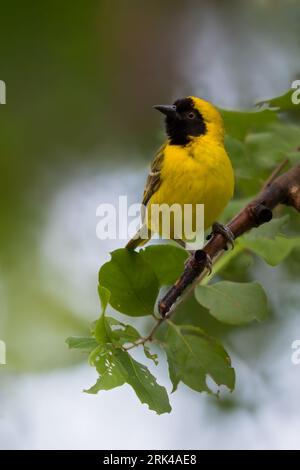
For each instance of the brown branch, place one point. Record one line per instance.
(283, 189)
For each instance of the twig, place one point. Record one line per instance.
(283, 189)
(275, 173)
(147, 338)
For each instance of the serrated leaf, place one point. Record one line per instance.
(233, 302)
(116, 367)
(111, 371)
(193, 357)
(145, 385)
(131, 281)
(269, 148)
(85, 343)
(150, 355)
(282, 103)
(167, 261)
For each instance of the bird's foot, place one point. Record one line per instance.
(224, 231)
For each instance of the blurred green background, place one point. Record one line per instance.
(81, 79)
(78, 129)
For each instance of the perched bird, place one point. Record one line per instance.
(192, 167)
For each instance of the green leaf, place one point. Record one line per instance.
(239, 123)
(283, 102)
(111, 330)
(235, 206)
(145, 385)
(174, 363)
(272, 251)
(233, 302)
(104, 295)
(112, 374)
(117, 367)
(85, 343)
(167, 261)
(269, 230)
(193, 357)
(269, 148)
(131, 281)
(121, 333)
(102, 330)
(236, 150)
(150, 355)
(268, 242)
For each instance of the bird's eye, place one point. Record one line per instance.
(191, 115)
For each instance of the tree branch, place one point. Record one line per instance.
(283, 189)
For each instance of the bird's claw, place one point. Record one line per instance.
(224, 231)
(208, 264)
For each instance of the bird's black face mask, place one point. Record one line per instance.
(183, 121)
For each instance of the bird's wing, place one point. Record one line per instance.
(154, 178)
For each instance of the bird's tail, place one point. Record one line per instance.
(138, 240)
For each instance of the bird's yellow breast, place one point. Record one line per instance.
(199, 173)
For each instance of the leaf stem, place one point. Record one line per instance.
(147, 338)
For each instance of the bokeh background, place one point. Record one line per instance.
(78, 129)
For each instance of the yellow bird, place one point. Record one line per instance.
(192, 167)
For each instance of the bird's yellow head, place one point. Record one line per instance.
(191, 118)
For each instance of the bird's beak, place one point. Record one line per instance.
(167, 109)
